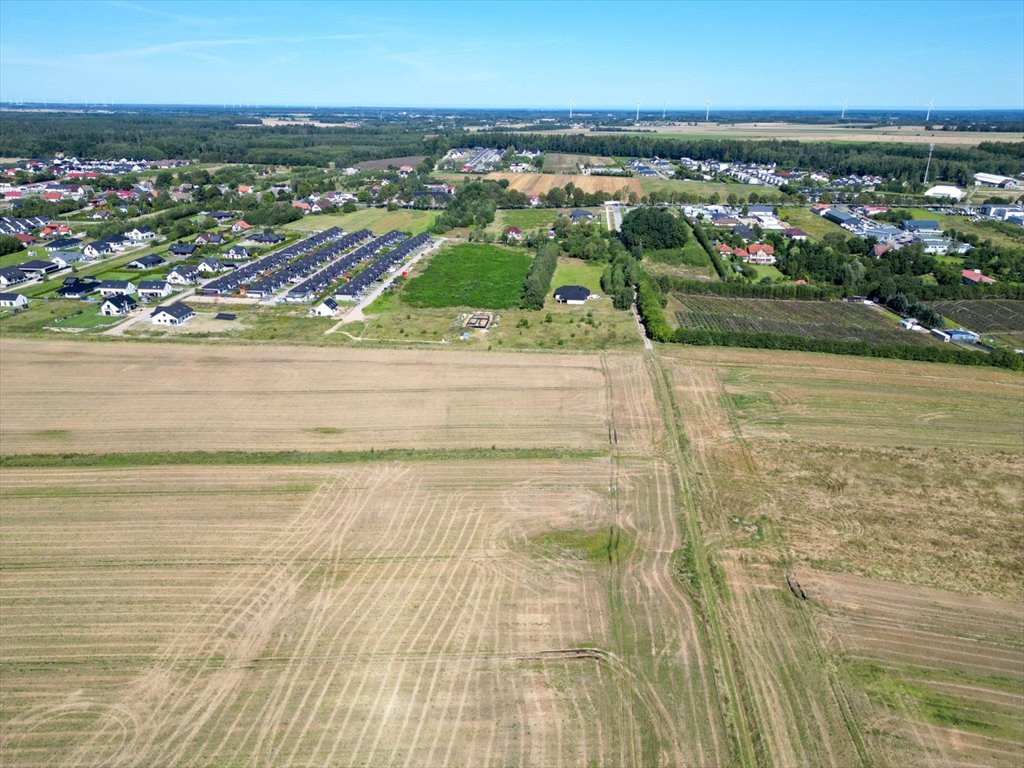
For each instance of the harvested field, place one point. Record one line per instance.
(943, 675)
(542, 183)
(74, 397)
(839, 321)
(562, 162)
(386, 614)
(814, 465)
(832, 399)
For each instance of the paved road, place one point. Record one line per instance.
(355, 313)
(613, 215)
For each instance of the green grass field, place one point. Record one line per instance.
(378, 220)
(470, 275)
(576, 272)
(810, 222)
(525, 218)
(704, 189)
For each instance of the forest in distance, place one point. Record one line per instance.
(229, 137)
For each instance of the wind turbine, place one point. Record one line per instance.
(707, 113)
(570, 109)
(931, 148)
(638, 110)
(928, 117)
(663, 110)
(843, 116)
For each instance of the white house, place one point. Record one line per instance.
(572, 294)
(109, 288)
(183, 275)
(154, 289)
(13, 300)
(328, 308)
(172, 314)
(759, 253)
(117, 305)
(139, 234)
(210, 266)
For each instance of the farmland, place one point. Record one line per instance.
(470, 275)
(838, 321)
(561, 162)
(782, 131)
(542, 183)
(437, 611)
(292, 398)
(1003, 318)
(393, 557)
(377, 220)
(889, 493)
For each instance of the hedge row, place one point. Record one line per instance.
(538, 279)
(716, 260)
(1002, 358)
(652, 314)
(744, 290)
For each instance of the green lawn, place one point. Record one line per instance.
(378, 220)
(577, 272)
(470, 275)
(766, 270)
(810, 222)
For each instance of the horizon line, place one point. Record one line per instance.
(583, 109)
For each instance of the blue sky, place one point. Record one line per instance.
(489, 54)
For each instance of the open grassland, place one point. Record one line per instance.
(470, 275)
(167, 397)
(377, 220)
(595, 326)
(810, 468)
(563, 162)
(525, 218)
(542, 183)
(378, 614)
(906, 134)
(840, 321)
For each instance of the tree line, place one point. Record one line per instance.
(901, 161)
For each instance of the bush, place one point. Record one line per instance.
(935, 354)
